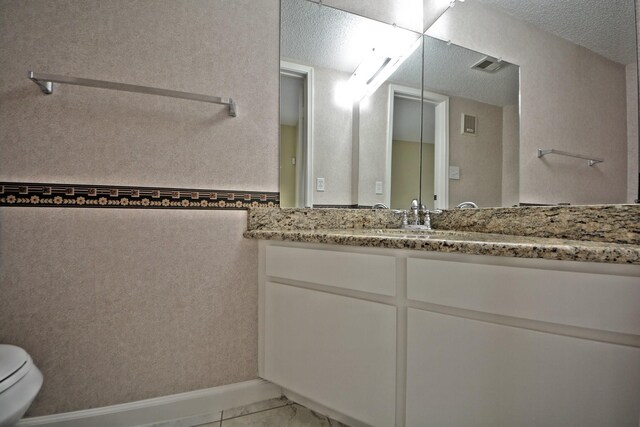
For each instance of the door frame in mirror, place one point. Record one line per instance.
(305, 72)
(441, 149)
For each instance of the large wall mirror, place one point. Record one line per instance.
(336, 68)
(373, 113)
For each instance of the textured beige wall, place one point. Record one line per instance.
(632, 133)
(510, 155)
(332, 139)
(121, 305)
(571, 99)
(288, 139)
(373, 135)
(478, 157)
(634, 140)
(102, 136)
(116, 306)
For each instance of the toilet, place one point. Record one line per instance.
(20, 381)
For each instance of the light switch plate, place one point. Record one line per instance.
(378, 187)
(319, 184)
(454, 172)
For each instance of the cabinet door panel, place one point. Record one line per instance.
(361, 272)
(595, 301)
(335, 350)
(466, 372)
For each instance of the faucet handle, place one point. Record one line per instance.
(405, 218)
(427, 217)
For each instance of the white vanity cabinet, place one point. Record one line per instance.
(522, 346)
(339, 351)
(411, 338)
(463, 372)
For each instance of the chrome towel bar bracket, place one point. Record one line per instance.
(590, 160)
(45, 83)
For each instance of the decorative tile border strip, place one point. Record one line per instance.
(112, 196)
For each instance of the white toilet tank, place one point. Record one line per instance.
(20, 381)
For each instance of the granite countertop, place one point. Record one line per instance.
(597, 233)
(465, 242)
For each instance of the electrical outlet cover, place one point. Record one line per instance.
(454, 172)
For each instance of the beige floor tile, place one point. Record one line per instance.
(292, 415)
(204, 420)
(335, 423)
(256, 407)
(213, 424)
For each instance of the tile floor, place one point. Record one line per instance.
(279, 412)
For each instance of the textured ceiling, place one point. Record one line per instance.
(606, 27)
(321, 36)
(330, 38)
(448, 71)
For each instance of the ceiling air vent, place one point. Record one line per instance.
(488, 64)
(469, 124)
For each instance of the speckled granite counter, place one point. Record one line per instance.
(463, 242)
(609, 234)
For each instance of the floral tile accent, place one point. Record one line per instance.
(95, 196)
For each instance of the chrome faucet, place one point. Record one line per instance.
(405, 219)
(467, 205)
(415, 211)
(427, 217)
(421, 216)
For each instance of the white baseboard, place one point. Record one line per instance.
(178, 410)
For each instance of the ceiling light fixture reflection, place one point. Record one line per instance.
(377, 67)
